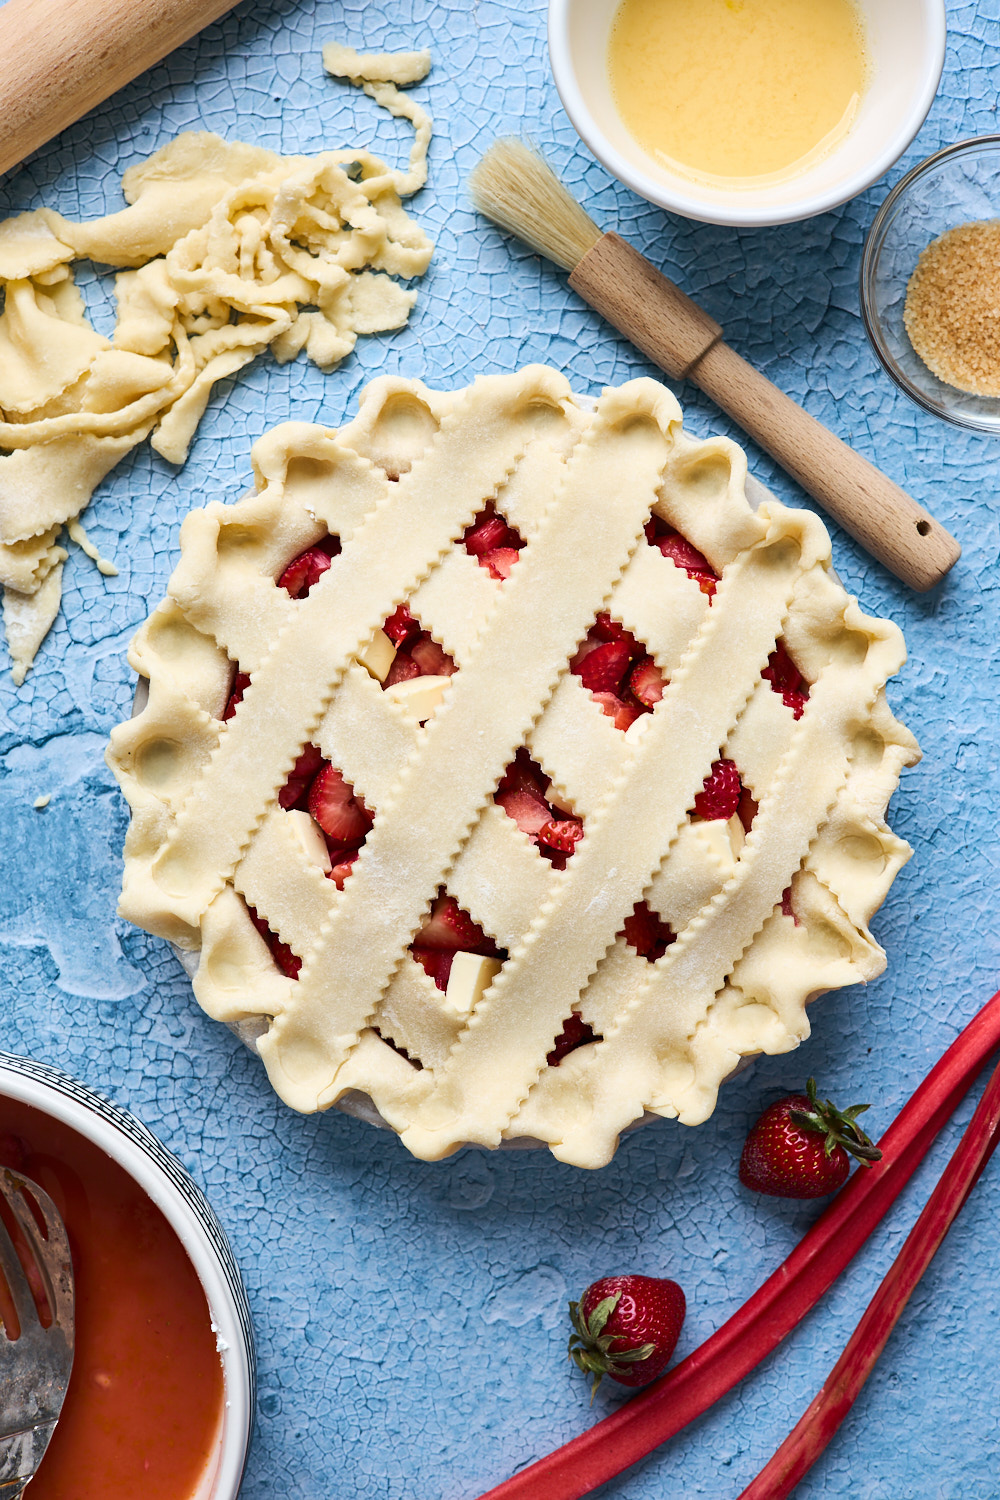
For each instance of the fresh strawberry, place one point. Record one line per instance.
(626, 1327)
(646, 932)
(623, 712)
(451, 929)
(604, 668)
(487, 532)
(500, 561)
(646, 681)
(240, 684)
(308, 568)
(343, 817)
(308, 765)
(801, 1148)
(683, 555)
(431, 660)
(720, 796)
(561, 834)
(575, 1033)
(401, 625)
(530, 811)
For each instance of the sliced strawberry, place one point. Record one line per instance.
(343, 868)
(561, 834)
(401, 625)
(781, 672)
(436, 964)
(402, 669)
(623, 713)
(486, 533)
(607, 629)
(795, 701)
(240, 684)
(529, 811)
(683, 555)
(500, 561)
(288, 962)
(786, 904)
(450, 928)
(523, 775)
(720, 796)
(604, 668)
(747, 809)
(342, 816)
(647, 933)
(309, 763)
(430, 659)
(647, 681)
(575, 1033)
(308, 568)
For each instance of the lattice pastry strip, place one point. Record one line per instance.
(618, 516)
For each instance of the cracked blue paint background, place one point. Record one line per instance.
(410, 1317)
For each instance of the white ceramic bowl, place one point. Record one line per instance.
(906, 41)
(135, 1149)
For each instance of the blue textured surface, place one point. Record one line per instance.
(411, 1318)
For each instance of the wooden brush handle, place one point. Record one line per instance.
(61, 57)
(685, 342)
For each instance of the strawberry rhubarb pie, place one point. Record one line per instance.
(504, 764)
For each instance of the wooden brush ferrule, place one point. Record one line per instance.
(645, 306)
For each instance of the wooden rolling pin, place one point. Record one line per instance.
(61, 57)
(518, 190)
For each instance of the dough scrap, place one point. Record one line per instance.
(226, 250)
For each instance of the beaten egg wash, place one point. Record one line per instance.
(730, 90)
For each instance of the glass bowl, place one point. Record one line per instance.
(955, 186)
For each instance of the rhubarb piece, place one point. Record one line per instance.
(686, 1392)
(523, 775)
(430, 658)
(401, 626)
(240, 684)
(500, 561)
(822, 1419)
(623, 713)
(529, 810)
(403, 669)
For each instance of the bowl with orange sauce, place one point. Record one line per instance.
(747, 112)
(161, 1398)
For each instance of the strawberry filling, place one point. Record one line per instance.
(646, 932)
(721, 794)
(618, 672)
(287, 961)
(575, 1033)
(493, 543)
(786, 679)
(681, 553)
(417, 652)
(449, 930)
(308, 568)
(523, 795)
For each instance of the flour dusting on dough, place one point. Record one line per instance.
(225, 250)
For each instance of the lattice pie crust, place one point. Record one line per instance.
(400, 486)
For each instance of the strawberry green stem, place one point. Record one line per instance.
(669, 1404)
(823, 1417)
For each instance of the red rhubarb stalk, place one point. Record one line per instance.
(822, 1418)
(660, 1411)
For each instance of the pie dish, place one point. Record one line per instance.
(503, 764)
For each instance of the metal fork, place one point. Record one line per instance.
(35, 1367)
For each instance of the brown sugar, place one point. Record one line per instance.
(952, 311)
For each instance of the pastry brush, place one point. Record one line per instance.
(515, 187)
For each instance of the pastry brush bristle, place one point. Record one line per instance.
(516, 188)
